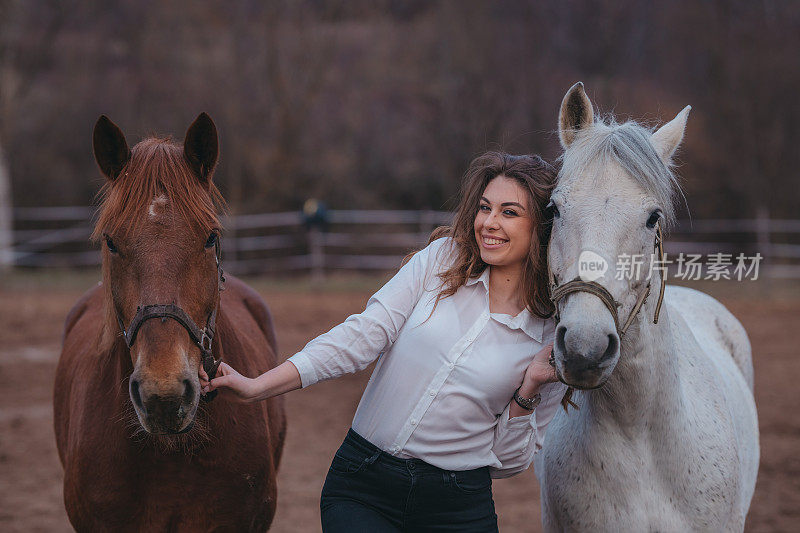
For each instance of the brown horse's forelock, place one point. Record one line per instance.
(157, 168)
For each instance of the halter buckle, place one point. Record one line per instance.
(205, 337)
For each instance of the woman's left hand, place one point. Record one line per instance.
(539, 372)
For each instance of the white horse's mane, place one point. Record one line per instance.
(627, 144)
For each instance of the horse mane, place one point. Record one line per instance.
(157, 167)
(627, 144)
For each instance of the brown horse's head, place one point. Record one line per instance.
(158, 224)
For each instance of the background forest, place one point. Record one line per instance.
(382, 103)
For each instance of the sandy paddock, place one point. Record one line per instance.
(33, 308)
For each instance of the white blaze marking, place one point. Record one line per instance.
(158, 200)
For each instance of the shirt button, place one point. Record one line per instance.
(451, 365)
(432, 392)
(413, 421)
(396, 448)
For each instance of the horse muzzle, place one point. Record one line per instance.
(585, 360)
(161, 409)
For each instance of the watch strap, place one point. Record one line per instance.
(527, 403)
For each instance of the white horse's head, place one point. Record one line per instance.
(614, 187)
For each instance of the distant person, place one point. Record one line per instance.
(462, 391)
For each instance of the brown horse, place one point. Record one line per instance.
(140, 450)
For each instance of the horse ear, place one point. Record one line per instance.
(575, 114)
(667, 138)
(110, 148)
(201, 147)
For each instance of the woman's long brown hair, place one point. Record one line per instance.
(537, 177)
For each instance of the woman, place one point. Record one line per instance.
(462, 391)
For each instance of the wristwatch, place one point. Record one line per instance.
(527, 403)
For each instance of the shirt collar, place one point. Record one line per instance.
(483, 278)
(531, 325)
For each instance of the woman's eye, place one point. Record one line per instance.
(212, 239)
(111, 247)
(510, 212)
(552, 209)
(484, 208)
(653, 220)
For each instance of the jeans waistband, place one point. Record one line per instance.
(365, 446)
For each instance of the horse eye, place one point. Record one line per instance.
(654, 217)
(552, 209)
(212, 239)
(111, 247)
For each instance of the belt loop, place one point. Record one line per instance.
(372, 458)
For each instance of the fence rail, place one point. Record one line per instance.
(369, 240)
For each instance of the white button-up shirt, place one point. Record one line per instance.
(442, 388)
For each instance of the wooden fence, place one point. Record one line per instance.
(272, 243)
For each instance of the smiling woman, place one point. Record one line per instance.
(462, 391)
(503, 198)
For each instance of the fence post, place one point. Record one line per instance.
(316, 249)
(6, 216)
(426, 225)
(231, 244)
(762, 237)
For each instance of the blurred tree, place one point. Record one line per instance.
(383, 103)
(24, 55)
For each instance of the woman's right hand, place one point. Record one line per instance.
(540, 371)
(230, 384)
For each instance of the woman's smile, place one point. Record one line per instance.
(493, 243)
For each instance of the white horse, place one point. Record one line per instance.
(665, 437)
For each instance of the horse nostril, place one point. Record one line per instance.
(188, 391)
(136, 395)
(561, 333)
(611, 349)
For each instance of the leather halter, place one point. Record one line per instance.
(592, 287)
(203, 338)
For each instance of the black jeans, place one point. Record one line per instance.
(367, 490)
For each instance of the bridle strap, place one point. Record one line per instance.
(592, 287)
(660, 246)
(202, 338)
(172, 311)
(578, 285)
(635, 311)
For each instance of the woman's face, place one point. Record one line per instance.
(503, 223)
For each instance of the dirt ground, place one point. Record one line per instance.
(32, 309)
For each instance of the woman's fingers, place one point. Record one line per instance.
(225, 370)
(545, 353)
(541, 369)
(221, 381)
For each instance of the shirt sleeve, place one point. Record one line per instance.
(361, 338)
(516, 440)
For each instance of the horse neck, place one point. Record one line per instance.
(644, 389)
